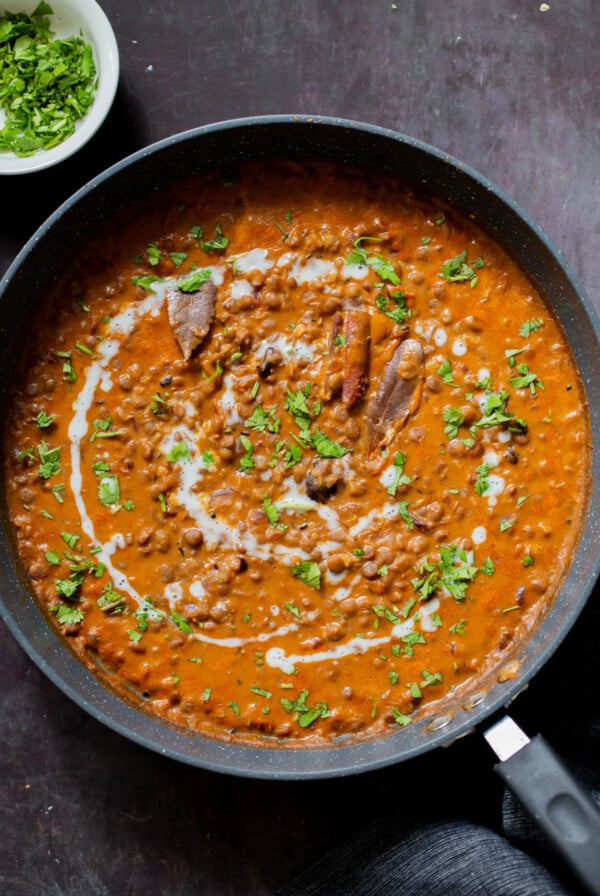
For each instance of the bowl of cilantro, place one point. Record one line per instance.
(59, 70)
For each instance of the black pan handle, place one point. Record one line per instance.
(560, 806)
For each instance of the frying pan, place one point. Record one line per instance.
(561, 807)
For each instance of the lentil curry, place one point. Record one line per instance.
(295, 453)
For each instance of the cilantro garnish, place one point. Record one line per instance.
(400, 313)
(262, 419)
(400, 478)
(247, 460)
(271, 511)
(43, 420)
(307, 715)
(325, 447)
(146, 282)
(193, 281)
(147, 611)
(49, 460)
(530, 326)
(453, 571)
(526, 380)
(111, 601)
(109, 490)
(483, 483)
(456, 270)
(67, 615)
(219, 244)
(404, 513)
(496, 414)
(445, 371)
(179, 452)
(382, 267)
(401, 718)
(181, 623)
(153, 253)
(454, 418)
(46, 85)
(309, 573)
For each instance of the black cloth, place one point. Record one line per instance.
(447, 826)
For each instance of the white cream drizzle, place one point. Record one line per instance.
(190, 471)
(440, 337)
(459, 348)
(479, 535)
(355, 271)
(255, 260)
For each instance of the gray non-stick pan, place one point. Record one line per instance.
(564, 811)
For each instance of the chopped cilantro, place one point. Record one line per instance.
(325, 447)
(46, 85)
(146, 282)
(271, 511)
(179, 452)
(178, 258)
(193, 281)
(382, 267)
(43, 421)
(247, 459)
(483, 483)
(309, 573)
(109, 490)
(453, 572)
(181, 623)
(111, 601)
(67, 587)
(404, 513)
(456, 270)
(526, 380)
(291, 608)
(262, 420)
(153, 253)
(445, 371)
(49, 460)
(400, 313)
(261, 692)
(530, 326)
(400, 718)
(219, 244)
(385, 613)
(454, 418)
(400, 478)
(68, 615)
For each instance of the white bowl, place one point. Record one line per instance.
(72, 17)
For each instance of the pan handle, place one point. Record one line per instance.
(559, 805)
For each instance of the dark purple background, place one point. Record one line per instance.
(508, 88)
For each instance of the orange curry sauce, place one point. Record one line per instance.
(295, 453)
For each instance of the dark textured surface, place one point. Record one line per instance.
(511, 90)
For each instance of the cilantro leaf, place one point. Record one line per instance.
(193, 281)
(68, 615)
(179, 452)
(325, 447)
(109, 490)
(309, 573)
(456, 270)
